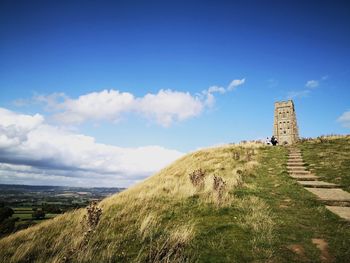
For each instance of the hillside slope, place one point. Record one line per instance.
(258, 214)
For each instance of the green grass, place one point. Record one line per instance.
(23, 213)
(22, 209)
(329, 158)
(22, 216)
(166, 219)
(298, 216)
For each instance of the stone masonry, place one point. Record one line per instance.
(285, 127)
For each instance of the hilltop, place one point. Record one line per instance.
(234, 203)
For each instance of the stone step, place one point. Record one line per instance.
(290, 171)
(309, 177)
(300, 172)
(292, 157)
(295, 156)
(317, 184)
(295, 164)
(332, 195)
(295, 160)
(341, 211)
(296, 167)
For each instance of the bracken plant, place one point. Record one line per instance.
(219, 186)
(197, 178)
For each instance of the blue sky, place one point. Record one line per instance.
(131, 74)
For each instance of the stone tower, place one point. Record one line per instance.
(285, 127)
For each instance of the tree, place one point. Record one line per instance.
(5, 212)
(7, 226)
(51, 208)
(38, 214)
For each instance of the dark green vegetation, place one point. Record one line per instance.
(262, 216)
(6, 223)
(33, 204)
(329, 158)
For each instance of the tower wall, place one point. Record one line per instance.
(285, 127)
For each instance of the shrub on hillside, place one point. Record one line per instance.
(7, 226)
(5, 212)
(52, 208)
(197, 178)
(91, 220)
(93, 215)
(38, 214)
(219, 186)
(236, 156)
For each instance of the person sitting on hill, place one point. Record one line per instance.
(274, 141)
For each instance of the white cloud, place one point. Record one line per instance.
(34, 149)
(168, 106)
(309, 85)
(208, 94)
(344, 119)
(235, 83)
(104, 105)
(219, 89)
(312, 84)
(164, 107)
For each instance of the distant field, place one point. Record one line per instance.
(25, 213)
(22, 208)
(22, 216)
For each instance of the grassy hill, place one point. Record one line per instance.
(241, 206)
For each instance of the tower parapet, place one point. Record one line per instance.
(285, 127)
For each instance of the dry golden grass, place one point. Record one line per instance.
(173, 181)
(135, 215)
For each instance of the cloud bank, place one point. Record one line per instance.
(164, 107)
(344, 119)
(31, 150)
(34, 151)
